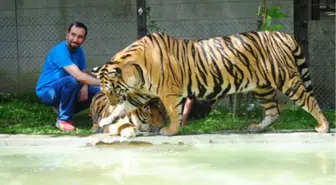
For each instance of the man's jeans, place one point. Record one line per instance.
(64, 93)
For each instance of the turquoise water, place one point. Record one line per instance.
(211, 164)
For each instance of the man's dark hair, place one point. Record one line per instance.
(78, 25)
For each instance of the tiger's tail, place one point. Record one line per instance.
(302, 67)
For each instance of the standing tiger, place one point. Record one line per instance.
(148, 118)
(172, 69)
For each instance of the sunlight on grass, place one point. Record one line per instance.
(219, 120)
(23, 113)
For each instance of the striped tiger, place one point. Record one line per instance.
(172, 69)
(148, 118)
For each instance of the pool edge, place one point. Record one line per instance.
(223, 138)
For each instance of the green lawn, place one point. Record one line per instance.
(23, 113)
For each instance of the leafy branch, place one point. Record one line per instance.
(271, 14)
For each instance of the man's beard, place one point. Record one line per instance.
(71, 47)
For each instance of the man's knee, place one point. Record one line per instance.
(94, 89)
(49, 96)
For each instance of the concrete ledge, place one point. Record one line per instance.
(224, 138)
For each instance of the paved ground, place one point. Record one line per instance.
(228, 137)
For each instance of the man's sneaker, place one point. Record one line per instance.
(65, 125)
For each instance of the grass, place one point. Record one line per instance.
(23, 113)
(290, 119)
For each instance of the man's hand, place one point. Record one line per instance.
(81, 76)
(83, 93)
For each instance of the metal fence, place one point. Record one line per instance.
(27, 33)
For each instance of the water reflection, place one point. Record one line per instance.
(238, 164)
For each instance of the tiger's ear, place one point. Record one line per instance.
(147, 109)
(96, 70)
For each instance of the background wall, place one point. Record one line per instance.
(30, 28)
(321, 36)
(206, 18)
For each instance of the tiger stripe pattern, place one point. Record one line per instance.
(148, 118)
(172, 69)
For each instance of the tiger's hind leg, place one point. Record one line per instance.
(266, 96)
(297, 92)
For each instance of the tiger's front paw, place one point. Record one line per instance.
(322, 129)
(255, 128)
(105, 121)
(129, 132)
(96, 129)
(166, 131)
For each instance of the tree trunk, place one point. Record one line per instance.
(263, 5)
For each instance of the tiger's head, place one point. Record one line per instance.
(105, 85)
(122, 76)
(150, 117)
(157, 115)
(125, 72)
(136, 70)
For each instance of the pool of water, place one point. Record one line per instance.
(203, 164)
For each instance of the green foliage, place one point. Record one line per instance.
(272, 13)
(223, 120)
(23, 113)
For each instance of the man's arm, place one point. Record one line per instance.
(85, 71)
(81, 76)
(186, 110)
(84, 92)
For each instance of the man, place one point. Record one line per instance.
(64, 82)
(195, 109)
(186, 110)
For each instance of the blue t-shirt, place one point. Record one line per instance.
(59, 57)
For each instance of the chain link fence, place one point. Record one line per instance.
(28, 32)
